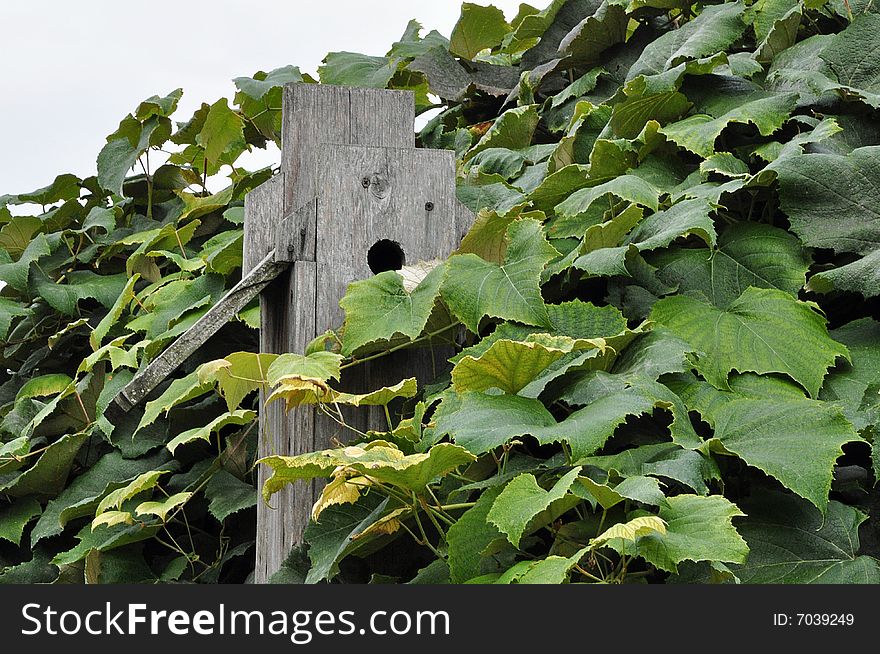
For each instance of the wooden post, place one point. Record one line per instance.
(350, 177)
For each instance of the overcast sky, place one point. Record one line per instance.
(71, 70)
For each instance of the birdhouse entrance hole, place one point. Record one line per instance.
(385, 255)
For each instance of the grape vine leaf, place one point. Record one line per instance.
(852, 56)
(161, 508)
(16, 516)
(238, 417)
(774, 434)
(237, 375)
(474, 288)
(381, 307)
(698, 133)
(512, 130)
(763, 331)
(47, 477)
(638, 487)
(480, 422)
(16, 273)
(748, 254)
(378, 460)
(354, 69)
(522, 499)
(81, 497)
(848, 383)
(469, 536)
(261, 83)
(690, 467)
(509, 365)
(143, 482)
(841, 215)
(222, 131)
(626, 187)
(179, 391)
(80, 285)
(790, 542)
(712, 31)
(698, 528)
(608, 400)
(478, 27)
(9, 311)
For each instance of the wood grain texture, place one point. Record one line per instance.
(280, 525)
(313, 114)
(382, 118)
(295, 237)
(263, 209)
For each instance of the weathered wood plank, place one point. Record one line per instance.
(295, 237)
(382, 118)
(313, 114)
(261, 206)
(411, 201)
(280, 525)
(362, 196)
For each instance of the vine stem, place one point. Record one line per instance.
(453, 507)
(396, 348)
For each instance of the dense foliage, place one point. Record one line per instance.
(668, 359)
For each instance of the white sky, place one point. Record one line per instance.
(71, 70)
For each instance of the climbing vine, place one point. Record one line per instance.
(665, 354)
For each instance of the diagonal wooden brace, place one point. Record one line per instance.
(289, 244)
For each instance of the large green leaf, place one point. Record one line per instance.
(480, 422)
(16, 273)
(80, 285)
(848, 383)
(522, 499)
(237, 375)
(512, 130)
(49, 474)
(227, 494)
(597, 391)
(852, 56)
(748, 254)
(353, 69)
(698, 528)
(712, 31)
(380, 307)
(261, 83)
(469, 536)
(842, 215)
(16, 516)
(121, 153)
(795, 440)
(222, 131)
(478, 27)
(474, 288)
(377, 460)
(698, 133)
(179, 391)
(763, 331)
(333, 537)
(790, 542)
(511, 365)
(9, 311)
(80, 498)
(236, 418)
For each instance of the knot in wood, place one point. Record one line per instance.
(379, 185)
